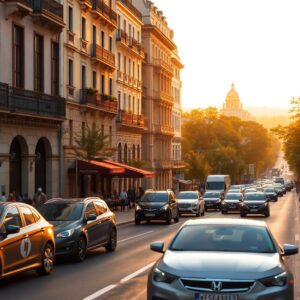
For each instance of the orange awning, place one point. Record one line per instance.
(130, 171)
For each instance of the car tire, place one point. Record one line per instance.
(168, 218)
(81, 248)
(112, 243)
(47, 261)
(137, 221)
(198, 212)
(243, 215)
(176, 219)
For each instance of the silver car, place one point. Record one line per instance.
(191, 202)
(227, 259)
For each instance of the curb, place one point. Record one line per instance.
(125, 223)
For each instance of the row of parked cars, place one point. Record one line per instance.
(30, 239)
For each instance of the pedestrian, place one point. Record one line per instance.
(11, 197)
(123, 199)
(39, 198)
(19, 197)
(131, 196)
(3, 197)
(140, 193)
(27, 199)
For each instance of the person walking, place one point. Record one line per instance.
(3, 197)
(39, 198)
(298, 188)
(123, 199)
(27, 199)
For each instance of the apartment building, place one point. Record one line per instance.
(31, 107)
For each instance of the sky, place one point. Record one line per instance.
(253, 43)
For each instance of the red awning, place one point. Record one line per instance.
(93, 166)
(130, 171)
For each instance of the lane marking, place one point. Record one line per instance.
(101, 292)
(135, 236)
(135, 274)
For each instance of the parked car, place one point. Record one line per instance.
(26, 240)
(221, 258)
(255, 203)
(271, 194)
(191, 202)
(157, 205)
(231, 202)
(81, 225)
(212, 200)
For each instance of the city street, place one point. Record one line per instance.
(123, 274)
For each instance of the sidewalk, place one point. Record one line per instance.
(124, 217)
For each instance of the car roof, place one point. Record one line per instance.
(8, 203)
(221, 221)
(72, 200)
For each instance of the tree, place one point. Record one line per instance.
(92, 144)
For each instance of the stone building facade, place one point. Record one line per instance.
(31, 109)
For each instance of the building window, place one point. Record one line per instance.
(124, 25)
(119, 152)
(133, 69)
(70, 19)
(119, 21)
(38, 63)
(102, 129)
(94, 80)
(83, 128)
(133, 104)
(110, 136)
(83, 28)
(83, 77)
(110, 44)
(18, 56)
(125, 153)
(138, 36)
(119, 100)
(138, 70)
(102, 84)
(110, 86)
(125, 64)
(124, 101)
(54, 69)
(129, 103)
(94, 34)
(102, 39)
(71, 80)
(129, 66)
(71, 132)
(119, 61)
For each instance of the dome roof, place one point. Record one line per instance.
(232, 99)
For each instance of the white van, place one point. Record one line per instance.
(220, 183)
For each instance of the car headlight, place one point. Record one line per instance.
(161, 276)
(66, 233)
(195, 204)
(165, 207)
(278, 280)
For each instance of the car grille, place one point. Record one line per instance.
(184, 205)
(149, 210)
(254, 206)
(223, 286)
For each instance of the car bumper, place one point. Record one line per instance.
(176, 291)
(65, 247)
(212, 205)
(157, 215)
(258, 210)
(228, 207)
(188, 210)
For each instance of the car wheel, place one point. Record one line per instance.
(198, 212)
(81, 247)
(203, 213)
(243, 215)
(47, 261)
(176, 219)
(137, 221)
(112, 243)
(168, 218)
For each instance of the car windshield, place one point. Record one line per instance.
(155, 197)
(259, 197)
(233, 196)
(211, 195)
(215, 185)
(222, 237)
(269, 190)
(187, 196)
(62, 211)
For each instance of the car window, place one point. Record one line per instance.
(154, 197)
(101, 209)
(191, 195)
(36, 215)
(90, 210)
(61, 211)
(28, 216)
(12, 217)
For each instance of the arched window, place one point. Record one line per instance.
(125, 153)
(119, 152)
(15, 166)
(133, 152)
(138, 152)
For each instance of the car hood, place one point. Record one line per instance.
(63, 225)
(187, 200)
(153, 205)
(231, 201)
(221, 264)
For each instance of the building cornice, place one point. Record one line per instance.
(161, 36)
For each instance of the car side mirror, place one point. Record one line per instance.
(91, 217)
(157, 247)
(289, 250)
(12, 229)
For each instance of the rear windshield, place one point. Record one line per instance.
(215, 185)
(62, 211)
(269, 190)
(233, 196)
(155, 197)
(187, 196)
(254, 197)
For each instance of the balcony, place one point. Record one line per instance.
(163, 96)
(106, 14)
(101, 102)
(86, 4)
(163, 164)
(37, 105)
(122, 36)
(48, 13)
(164, 130)
(19, 8)
(132, 8)
(104, 57)
(178, 164)
(129, 120)
(161, 64)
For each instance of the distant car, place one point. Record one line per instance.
(191, 202)
(157, 205)
(255, 203)
(26, 240)
(81, 225)
(231, 202)
(271, 194)
(279, 190)
(250, 190)
(218, 258)
(212, 200)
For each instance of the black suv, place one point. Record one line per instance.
(81, 225)
(157, 205)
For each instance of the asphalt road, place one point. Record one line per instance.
(123, 274)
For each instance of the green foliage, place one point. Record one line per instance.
(213, 143)
(92, 144)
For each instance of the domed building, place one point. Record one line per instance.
(234, 107)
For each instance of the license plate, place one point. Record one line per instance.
(208, 204)
(254, 210)
(215, 297)
(149, 215)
